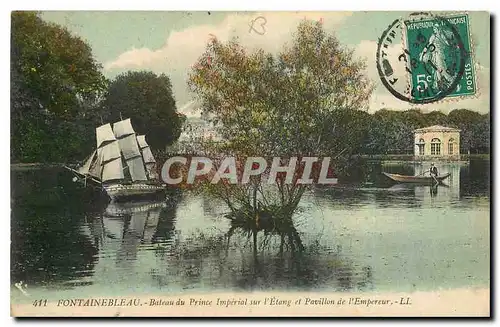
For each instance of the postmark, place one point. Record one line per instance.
(426, 58)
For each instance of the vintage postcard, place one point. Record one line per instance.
(222, 164)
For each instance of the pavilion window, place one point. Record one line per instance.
(435, 147)
(451, 146)
(421, 147)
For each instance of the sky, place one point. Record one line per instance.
(171, 42)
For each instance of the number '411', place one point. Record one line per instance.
(40, 303)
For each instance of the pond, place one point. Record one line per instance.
(365, 234)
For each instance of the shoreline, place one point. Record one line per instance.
(384, 158)
(35, 166)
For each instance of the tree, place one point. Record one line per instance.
(482, 135)
(391, 131)
(147, 99)
(285, 104)
(55, 84)
(466, 121)
(300, 102)
(436, 118)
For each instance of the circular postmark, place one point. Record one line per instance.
(421, 59)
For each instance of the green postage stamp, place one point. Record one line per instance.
(427, 57)
(439, 50)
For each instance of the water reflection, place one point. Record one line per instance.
(445, 193)
(126, 232)
(229, 262)
(126, 235)
(47, 244)
(135, 224)
(367, 234)
(387, 193)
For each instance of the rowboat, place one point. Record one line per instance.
(417, 179)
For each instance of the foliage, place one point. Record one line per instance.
(55, 83)
(475, 129)
(297, 102)
(300, 102)
(147, 99)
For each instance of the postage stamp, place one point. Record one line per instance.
(436, 54)
(250, 164)
(440, 51)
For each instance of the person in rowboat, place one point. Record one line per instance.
(433, 172)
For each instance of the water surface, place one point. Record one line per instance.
(366, 234)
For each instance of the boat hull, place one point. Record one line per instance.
(124, 192)
(416, 179)
(129, 208)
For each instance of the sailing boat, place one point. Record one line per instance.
(122, 163)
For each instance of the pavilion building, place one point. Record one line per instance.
(437, 142)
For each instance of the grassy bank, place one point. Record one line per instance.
(34, 165)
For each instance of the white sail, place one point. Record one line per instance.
(108, 165)
(123, 128)
(133, 157)
(136, 169)
(112, 170)
(146, 150)
(85, 169)
(148, 157)
(141, 139)
(129, 147)
(109, 152)
(96, 168)
(104, 134)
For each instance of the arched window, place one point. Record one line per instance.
(421, 147)
(451, 146)
(435, 147)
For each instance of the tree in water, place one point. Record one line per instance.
(300, 102)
